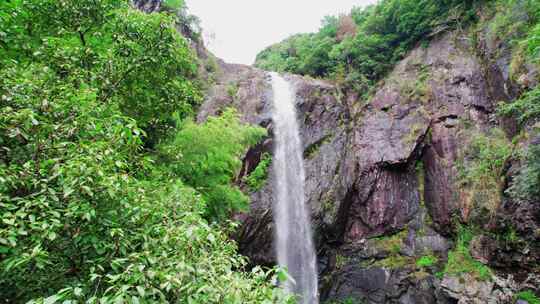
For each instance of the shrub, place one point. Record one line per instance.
(511, 21)
(167, 254)
(368, 43)
(533, 42)
(206, 157)
(89, 212)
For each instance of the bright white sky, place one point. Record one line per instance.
(236, 30)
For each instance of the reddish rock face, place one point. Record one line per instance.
(392, 203)
(360, 164)
(441, 195)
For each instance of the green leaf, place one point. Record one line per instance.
(67, 191)
(141, 291)
(10, 222)
(51, 300)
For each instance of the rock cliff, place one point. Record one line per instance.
(382, 177)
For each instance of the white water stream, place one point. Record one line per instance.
(294, 241)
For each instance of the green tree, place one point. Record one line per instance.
(87, 88)
(136, 60)
(385, 32)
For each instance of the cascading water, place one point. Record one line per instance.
(294, 242)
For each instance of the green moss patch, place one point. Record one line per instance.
(528, 296)
(460, 260)
(426, 261)
(395, 261)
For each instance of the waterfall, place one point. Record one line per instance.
(294, 242)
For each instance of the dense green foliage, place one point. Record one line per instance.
(359, 49)
(207, 157)
(137, 61)
(509, 21)
(89, 211)
(533, 40)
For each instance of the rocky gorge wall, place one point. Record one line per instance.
(382, 177)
